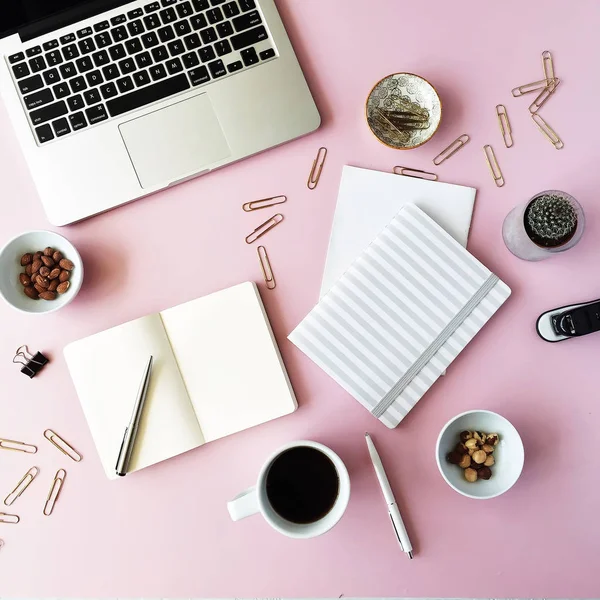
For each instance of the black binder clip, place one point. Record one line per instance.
(570, 321)
(32, 365)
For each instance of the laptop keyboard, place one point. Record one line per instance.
(144, 56)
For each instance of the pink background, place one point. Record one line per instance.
(166, 531)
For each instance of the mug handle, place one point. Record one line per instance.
(244, 504)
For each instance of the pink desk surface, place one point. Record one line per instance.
(166, 531)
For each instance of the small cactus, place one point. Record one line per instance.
(550, 220)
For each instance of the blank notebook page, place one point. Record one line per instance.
(229, 361)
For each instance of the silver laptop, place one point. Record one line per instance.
(112, 100)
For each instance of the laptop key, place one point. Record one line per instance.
(117, 52)
(199, 76)
(184, 10)
(231, 9)
(38, 99)
(200, 5)
(95, 114)
(67, 39)
(122, 18)
(94, 78)
(16, 58)
(149, 40)
(135, 13)
(119, 34)
(108, 90)
(37, 64)
(190, 60)
(50, 45)
(176, 47)
(248, 37)
(103, 39)
(127, 65)
(266, 54)
(143, 60)
(101, 58)
(152, 21)
(53, 58)
(48, 113)
(141, 78)
(51, 76)
(101, 26)
(168, 2)
(216, 2)
(166, 34)
(21, 70)
(31, 84)
(249, 56)
(92, 97)
(206, 54)
(217, 68)
(33, 51)
(78, 84)
(70, 52)
(84, 64)
(44, 133)
(247, 5)
(174, 66)
(61, 127)
(224, 29)
(136, 27)
(223, 47)
(192, 41)
(157, 72)
(68, 70)
(84, 32)
(214, 15)
(134, 46)
(160, 53)
(247, 20)
(125, 84)
(182, 28)
(75, 102)
(87, 45)
(198, 22)
(235, 66)
(168, 15)
(61, 90)
(151, 7)
(77, 121)
(110, 72)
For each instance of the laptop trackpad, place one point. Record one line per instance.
(175, 142)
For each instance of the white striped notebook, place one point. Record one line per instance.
(397, 318)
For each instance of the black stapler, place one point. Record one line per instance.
(570, 321)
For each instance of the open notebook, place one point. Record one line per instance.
(217, 370)
(402, 312)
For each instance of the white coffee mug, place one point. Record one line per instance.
(255, 500)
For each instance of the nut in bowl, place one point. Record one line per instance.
(492, 447)
(44, 255)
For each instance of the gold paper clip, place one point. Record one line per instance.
(317, 167)
(505, 128)
(265, 266)
(9, 519)
(263, 203)
(490, 157)
(548, 64)
(452, 149)
(18, 446)
(62, 445)
(54, 493)
(544, 96)
(415, 173)
(528, 88)
(548, 131)
(264, 227)
(21, 486)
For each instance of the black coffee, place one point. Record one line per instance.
(302, 485)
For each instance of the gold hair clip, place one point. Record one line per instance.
(9, 519)
(21, 486)
(452, 149)
(18, 446)
(264, 227)
(415, 173)
(505, 128)
(544, 96)
(62, 445)
(263, 203)
(317, 168)
(548, 131)
(54, 492)
(265, 266)
(492, 162)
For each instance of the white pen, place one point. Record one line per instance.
(393, 511)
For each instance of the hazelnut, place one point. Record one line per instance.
(475, 465)
(477, 436)
(465, 435)
(479, 456)
(465, 461)
(484, 473)
(461, 449)
(493, 439)
(453, 458)
(471, 443)
(489, 461)
(487, 448)
(471, 475)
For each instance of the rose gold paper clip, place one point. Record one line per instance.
(528, 88)
(265, 266)
(317, 168)
(17, 446)
(9, 519)
(548, 131)
(59, 480)
(452, 149)
(505, 128)
(62, 445)
(415, 173)
(264, 227)
(548, 64)
(263, 203)
(21, 486)
(544, 96)
(490, 157)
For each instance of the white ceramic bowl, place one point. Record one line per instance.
(10, 267)
(509, 454)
